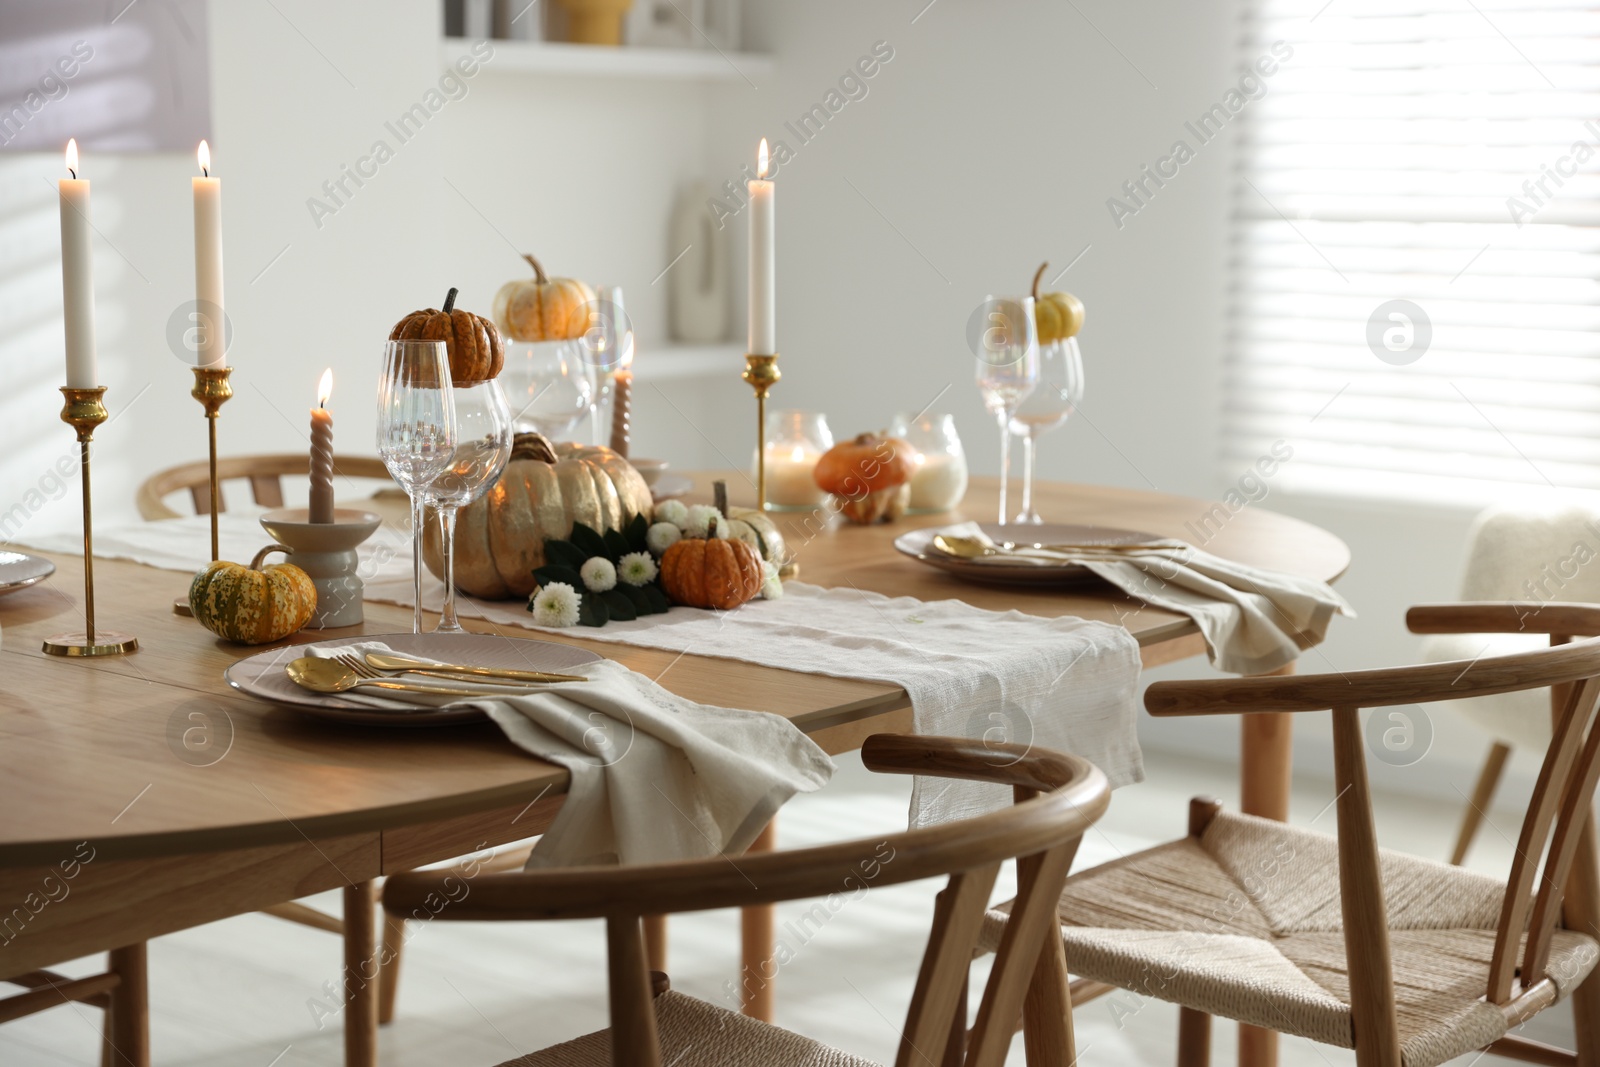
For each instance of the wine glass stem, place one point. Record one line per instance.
(1005, 461)
(448, 624)
(416, 562)
(1026, 515)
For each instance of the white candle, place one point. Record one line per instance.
(77, 276)
(763, 340)
(939, 482)
(212, 348)
(322, 453)
(789, 476)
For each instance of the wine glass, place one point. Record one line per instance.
(483, 447)
(1007, 345)
(416, 431)
(1051, 404)
(605, 345)
(549, 386)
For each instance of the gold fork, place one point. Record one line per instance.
(365, 670)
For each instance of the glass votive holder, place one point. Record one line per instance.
(940, 480)
(795, 441)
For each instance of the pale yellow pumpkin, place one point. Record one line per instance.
(542, 308)
(1057, 315)
(545, 489)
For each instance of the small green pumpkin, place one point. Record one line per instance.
(253, 605)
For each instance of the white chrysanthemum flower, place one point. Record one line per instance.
(637, 568)
(598, 574)
(662, 536)
(771, 584)
(701, 516)
(673, 511)
(556, 604)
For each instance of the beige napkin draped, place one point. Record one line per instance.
(655, 777)
(1253, 620)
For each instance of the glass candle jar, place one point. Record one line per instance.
(795, 441)
(940, 480)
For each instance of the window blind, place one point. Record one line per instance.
(1444, 154)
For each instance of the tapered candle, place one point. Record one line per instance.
(322, 453)
(77, 276)
(213, 341)
(763, 339)
(622, 399)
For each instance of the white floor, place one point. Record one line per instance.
(239, 993)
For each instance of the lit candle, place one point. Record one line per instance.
(763, 340)
(939, 482)
(212, 347)
(77, 276)
(622, 399)
(789, 475)
(322, 453)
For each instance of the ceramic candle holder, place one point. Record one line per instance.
(327, 552)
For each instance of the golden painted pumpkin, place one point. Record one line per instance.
(542, 308)
(711, 572)
(253, 605)
(476, 354)
(544, 489)
(869, 477)
(1057, 315)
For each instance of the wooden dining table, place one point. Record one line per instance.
(93, 752)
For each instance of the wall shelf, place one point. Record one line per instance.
(664, 361)
(667, 64)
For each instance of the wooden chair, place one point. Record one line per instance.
(265, 474)
(121, 992)
(1058, 798)
(1405, 960)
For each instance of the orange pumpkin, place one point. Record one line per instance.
(711, 572)
(476, 354)
(869, 477)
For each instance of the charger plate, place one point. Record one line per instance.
(918, 544)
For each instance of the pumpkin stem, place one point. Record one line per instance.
(1036, 276)
(450, 301)
(533, 446)
(538, 271)
(255, 564)
(719, 495)
(711, 528)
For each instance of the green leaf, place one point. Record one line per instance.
(592, 611)
(656, 598)
(556, 572)
(619, 605)
(588, 540)
(636, 595)
(636, 530)
(564, 553)
(616, 546)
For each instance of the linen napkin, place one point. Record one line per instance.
(655, 777)
(1253, 620)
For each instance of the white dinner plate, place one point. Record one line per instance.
(19, 570)
(918, 544)
(262, 675)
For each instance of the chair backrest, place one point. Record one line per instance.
(265, 474)
(1529, 553)
(1552, 833)
(1058, 798)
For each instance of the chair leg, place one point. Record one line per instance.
(655, 942)
(955, 1046)
(1194, 1038)
(1047, 1035)
(360, 977)
(1482, 794)
(128, 1017)
(394, 942)
(1581, 912)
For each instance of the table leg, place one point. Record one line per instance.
(361, 975)
(129, 1025)
(1266, 771)
(757, 925)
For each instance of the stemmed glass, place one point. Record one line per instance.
(1051, 404)
(604, 345)
(416, 431)
(549, 386)
(1007, 346)
(483, 447)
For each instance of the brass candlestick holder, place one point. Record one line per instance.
(212, 389)
(84, 410)
(762, 373)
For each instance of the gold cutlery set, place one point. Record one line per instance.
(340, 674)
(976, 548)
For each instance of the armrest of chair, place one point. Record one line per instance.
(1506, 617)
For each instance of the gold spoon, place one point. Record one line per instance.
(403, 663)
(972, 548)
(326, 676)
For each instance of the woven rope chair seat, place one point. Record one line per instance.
(697, 1034)
(1244, 922)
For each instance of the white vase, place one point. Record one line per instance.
(697, 285)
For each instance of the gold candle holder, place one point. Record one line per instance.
(762, 373)
(84, 410)
(212, 389)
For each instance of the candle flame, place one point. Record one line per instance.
(204, 156)
(761, 160)
(72, 156)
(325, 388)
(799, 454)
